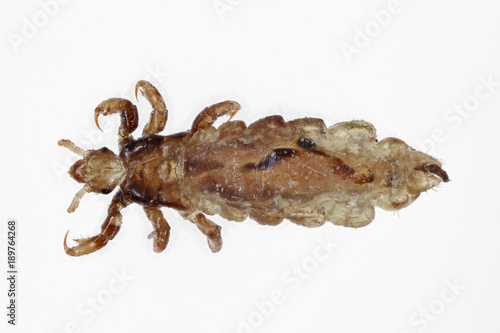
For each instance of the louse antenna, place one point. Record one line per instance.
(71, 146)
(78, 196)
(79, 151)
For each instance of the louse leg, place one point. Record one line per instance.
(161, 232)
(158, 117)
(128, 111)
(210, 114)
(209, 229)
(109, 229)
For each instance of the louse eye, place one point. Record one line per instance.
(305, 143)
(105, 191)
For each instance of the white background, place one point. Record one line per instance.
(59, 60)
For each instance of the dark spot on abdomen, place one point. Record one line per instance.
(364, 178)
(361, 176)
(272, 159)
(340, 168)
(389, 179)
(305, 143)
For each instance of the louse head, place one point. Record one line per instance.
(412, 172)
(100, 170)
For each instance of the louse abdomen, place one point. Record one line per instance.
(267, 175)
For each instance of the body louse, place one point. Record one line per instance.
(268, 171)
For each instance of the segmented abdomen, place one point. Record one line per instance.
(270, 171)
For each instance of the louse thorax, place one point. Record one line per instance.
(411, 172)
(101, 170)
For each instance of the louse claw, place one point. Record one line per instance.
(85, 245)
(136, 90)
(233, 114)
(96, 118)
(98, 111)
(125, 108)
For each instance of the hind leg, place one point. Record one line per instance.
(208, 228)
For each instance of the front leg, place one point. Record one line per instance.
(158, 117)
(109, 229)
(129, 115)
(208, 228)
(210, 114)
(161, 232)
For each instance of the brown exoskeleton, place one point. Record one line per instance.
(269, 171)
